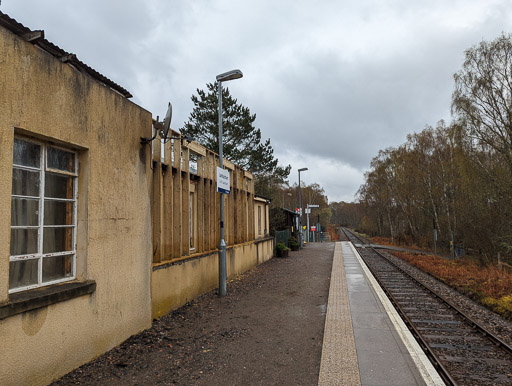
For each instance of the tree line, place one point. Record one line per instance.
(455, 177)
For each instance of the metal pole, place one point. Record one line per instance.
(222, 243)
(300, 216)
(307, 225)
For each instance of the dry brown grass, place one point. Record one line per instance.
(381, 240)
(488, 285)
(387, 241)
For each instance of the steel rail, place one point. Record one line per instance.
(476, 325)
(479, 329)
(436, 362)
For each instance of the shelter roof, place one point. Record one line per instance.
(290, 212)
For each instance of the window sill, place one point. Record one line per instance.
(20, 302)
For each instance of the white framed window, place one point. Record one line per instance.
(43, 215)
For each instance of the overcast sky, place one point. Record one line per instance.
(331, 82)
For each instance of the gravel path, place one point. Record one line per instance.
(267, 330)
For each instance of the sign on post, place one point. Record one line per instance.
(313, 228)
(223, 184)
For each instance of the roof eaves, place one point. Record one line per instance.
(37, 37)
(259, 196)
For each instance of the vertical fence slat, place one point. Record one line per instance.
(176, 203)
(185, 202)
(156, 207)
(167, 193)
(172, 186)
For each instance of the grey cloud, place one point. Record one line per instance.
(330, 83)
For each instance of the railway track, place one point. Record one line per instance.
(462, 351)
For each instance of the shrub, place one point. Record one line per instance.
(292, 241)
(281, 247)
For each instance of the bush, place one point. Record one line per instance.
(292, 241)
(281, 247)
(281, 250)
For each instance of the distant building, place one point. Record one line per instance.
(261, 219)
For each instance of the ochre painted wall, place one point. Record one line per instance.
(174, 284)
(41, 97)
(50, 100)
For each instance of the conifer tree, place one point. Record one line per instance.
(242, 143)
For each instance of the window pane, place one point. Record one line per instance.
(60, 159)
(58, 186)
(58, 213)
(57, 239)
(24, 212)
(57, 267)
(25, 183)
(23, 241)
(26, 153)
(22, 273)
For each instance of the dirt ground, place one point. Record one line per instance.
(267, 330)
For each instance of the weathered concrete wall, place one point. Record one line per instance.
(50, 100)
(173, 284)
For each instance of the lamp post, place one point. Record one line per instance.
(230, 75)
(300, 211)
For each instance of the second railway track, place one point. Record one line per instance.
(462, 351)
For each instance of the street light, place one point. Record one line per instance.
(230, 75)
(300, 211)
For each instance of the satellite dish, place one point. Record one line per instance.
(161, 128)
(167, 123)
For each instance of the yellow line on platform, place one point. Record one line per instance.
(339, 364)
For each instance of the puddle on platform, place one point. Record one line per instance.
(355, 281)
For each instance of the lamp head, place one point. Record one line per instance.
(230, 75)
(303, 169)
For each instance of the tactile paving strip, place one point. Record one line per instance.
(339, 364)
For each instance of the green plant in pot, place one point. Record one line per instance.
(293, 243)
(282, 250)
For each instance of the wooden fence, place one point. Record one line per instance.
(185, 203)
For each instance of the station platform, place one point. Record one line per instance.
(365, 340)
